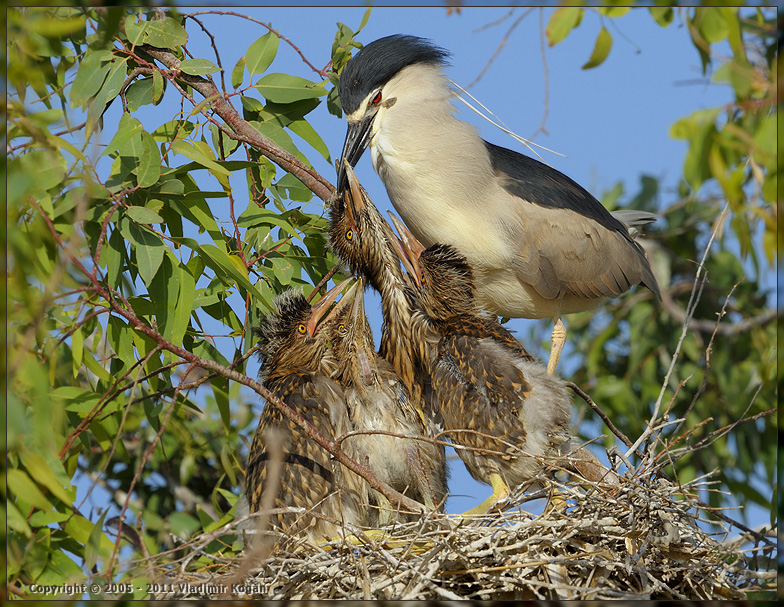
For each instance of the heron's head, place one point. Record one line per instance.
(374, 80)
(440, 276)
(296, 336)
(360, 236)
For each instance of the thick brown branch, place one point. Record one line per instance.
(242, 131)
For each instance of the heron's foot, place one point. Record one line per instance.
(558, 339)
(556, 502)
(500, 494)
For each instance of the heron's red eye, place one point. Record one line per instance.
(376, 98)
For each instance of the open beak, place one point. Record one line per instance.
(408, 249)
(318, 313)
(353, 197)
(358, 136)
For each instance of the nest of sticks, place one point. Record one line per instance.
(641, 540)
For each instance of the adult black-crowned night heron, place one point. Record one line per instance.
(539, 244)
(378, 401)
(296, 366)
(492, 395)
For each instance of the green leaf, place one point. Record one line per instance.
(562, 21)
(309, 134)
(77, 349)
(613, 11)
(128, 128)
(139, 93)
(148, 170)
(283, 88)
(143, 215)
(16, 521)
(294, 188)
(118, 72)
(663, 15)
(711, 24)
(198, 67)
(182, 312)
(600, 50)
(92, 72)
(46, 472)
(261, 54)
(238, 73)
(186, 148)
(165, 33)
(26, 490)
(158, 86)
(92, 548)
(275, 133)
(149, 250)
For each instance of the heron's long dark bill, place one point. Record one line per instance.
(408, 249)
(318, 313)
(358, 137)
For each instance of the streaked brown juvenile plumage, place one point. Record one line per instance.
(363, 240)
(491, 394)
(378, 400)
(296, 366)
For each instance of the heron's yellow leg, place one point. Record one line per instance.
(500, 493)
(556, 501)
(559, 339)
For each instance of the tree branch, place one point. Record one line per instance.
(240, 129)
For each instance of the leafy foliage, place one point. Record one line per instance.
(120, 267)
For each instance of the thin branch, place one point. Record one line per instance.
(691, 306)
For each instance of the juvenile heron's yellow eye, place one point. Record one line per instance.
(302, 329)
(350, 235)
(341, 327)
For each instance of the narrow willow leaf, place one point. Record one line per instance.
(46, 473)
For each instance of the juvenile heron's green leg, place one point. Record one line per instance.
(500, 493)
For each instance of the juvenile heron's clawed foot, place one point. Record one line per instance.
(500, 495)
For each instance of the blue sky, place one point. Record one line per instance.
(610, 123)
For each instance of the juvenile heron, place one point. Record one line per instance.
(296, 366)
(539, 244)
(495, 400)
(362, 239)
(378, 402)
